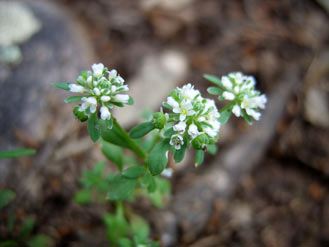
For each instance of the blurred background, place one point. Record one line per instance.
(268, 184)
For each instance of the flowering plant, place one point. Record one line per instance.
(189, 121)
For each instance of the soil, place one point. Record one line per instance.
(284, 201)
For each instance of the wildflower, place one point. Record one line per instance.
(177, 141)
(180, 127)
(99, 92)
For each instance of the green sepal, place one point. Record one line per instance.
(159, 120)
(214, 79)
(114, 153)
(246, 117)
(119, 104)
(166, 105)
(16, 153)
(73, 99)
(214, 91)
(80, 115)
(134, 172)
(199, 157)
(6, 197)
(157, 159)
(200, 141)
(130, 101)
(62, 85)
(93, 127)
(120, 187)
(141, 130)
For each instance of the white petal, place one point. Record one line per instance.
(236, 110)
(227, 82)
(123, 98)
(228, 96)
(172, 102)
(74, 88)
(92, 108)
(105, 113)
(193, 131)
(105, 98)
(253, 113)
(180, 127)
(98, 69)
(96, 91)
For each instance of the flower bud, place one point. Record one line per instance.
(159, 120)
(200, 141)
(80, 114)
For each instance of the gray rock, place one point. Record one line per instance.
(58, 52)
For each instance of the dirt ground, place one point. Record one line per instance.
(284, 201)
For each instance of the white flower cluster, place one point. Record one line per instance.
(196, 118)
(102, 88)
(240, 89)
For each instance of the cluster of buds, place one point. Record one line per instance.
(240, 90)
(102, 90)
(195, 118)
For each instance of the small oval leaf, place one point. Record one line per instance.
(157, 159)
(141, 130)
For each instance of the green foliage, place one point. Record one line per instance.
(225, 115)
(134, 172)
(214, 79)
(6, 197)
(160, 193)
(157, 159)
(16, 153)
(83, 197)
(114, 153)
(39, 240)
(214, 91)
(199, 157)
(62, 85)
(93, 127)
(120, 187)
(73, 99)
(141, 130)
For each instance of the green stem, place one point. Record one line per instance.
(133, 146)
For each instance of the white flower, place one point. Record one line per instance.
(90, 103)
(112, 74)
(236, 110)
(228, 96)
(123, 98)
(238, 77)
(105, 98)
(172, 102)
(74, 88)
(185, 109)
(253, 113)
(227, 82)
(188, 92)
(167, 172)
(98, 69)
(193, 131)
(180, 127)
(211, 132)
(105, 113)
(120, 80)
(177, 141)
(261, 101)
(96, 91)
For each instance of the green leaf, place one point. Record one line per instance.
(114, 153)
(73, 99)
(199, 157)
(140, 228)
(16, 153)
(6, 197)
(125, 242)
(166, 105)
(39, 240)
(179, 154)
(62, 85)
(83, 197)
(212, 149)
(27, 229)
(131, 101)
(134, 172)
(246, 117)
(214, 91)
(8, 243)
(162, 191)
(117, 226)
(169, 132)
(225, 116)
(157, 159)
(93, 127)
(214, 79)
(149, 181)
(141, 130)
(120, 188)
(94, 177)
